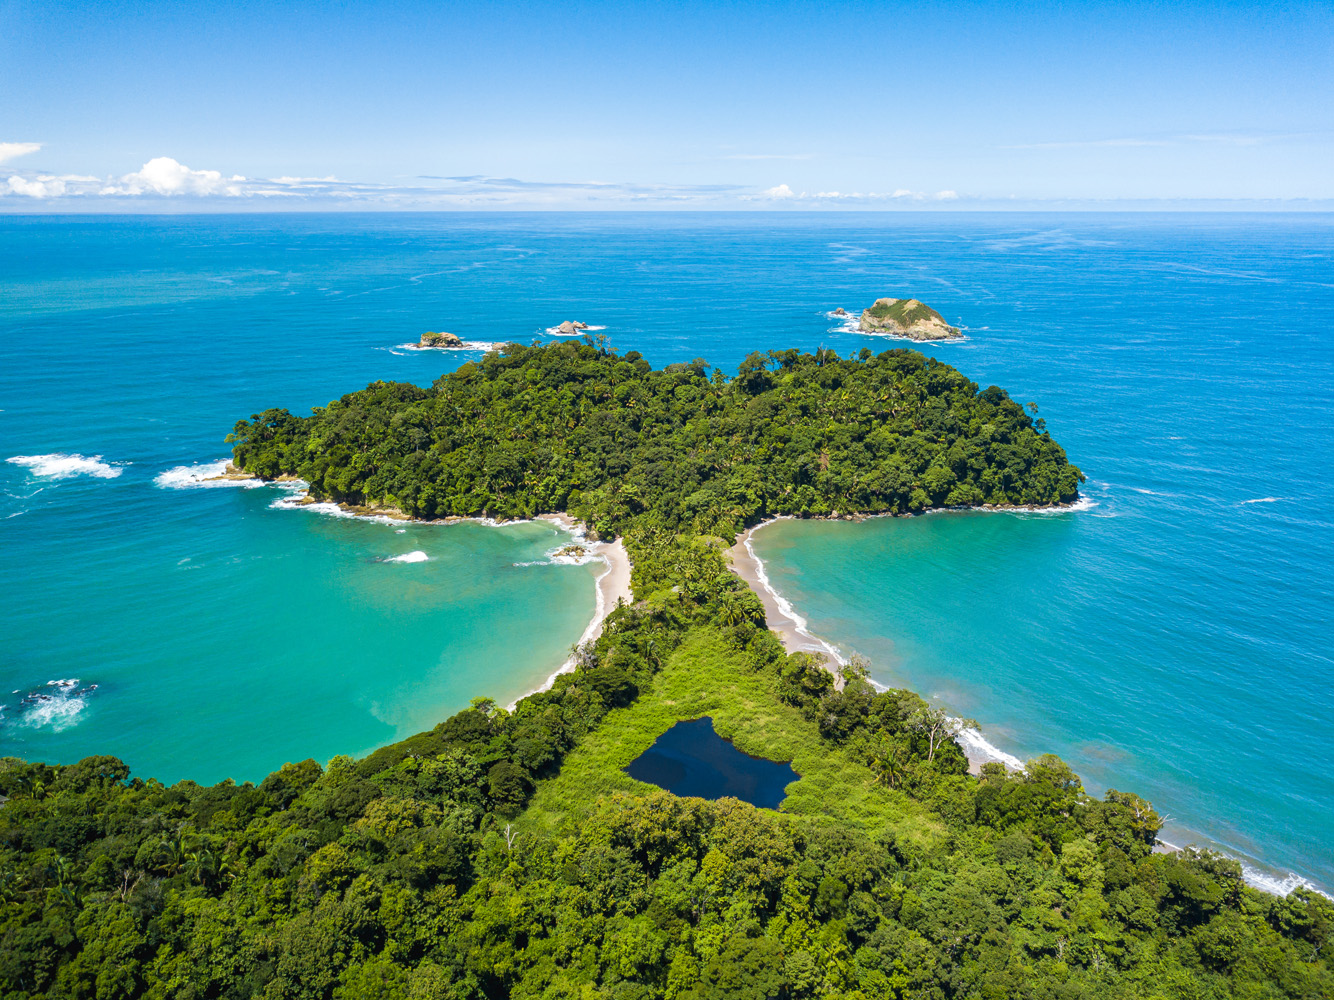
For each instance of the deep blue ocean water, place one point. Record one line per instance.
(1173, 639)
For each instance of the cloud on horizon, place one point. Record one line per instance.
(13, 150)
(164, 177)
(164, 180)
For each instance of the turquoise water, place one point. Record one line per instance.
(1173, 639)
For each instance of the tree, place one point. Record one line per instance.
(937, 726)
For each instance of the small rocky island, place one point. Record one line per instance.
(569, 328)
(440, 340)
(906, 318)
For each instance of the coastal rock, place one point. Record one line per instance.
(906, 318)
(840, 311)
(231, 474)
(440, 340)
(570, 327)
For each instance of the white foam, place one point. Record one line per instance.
(1275, 885)
(850, 323)
(296, 500)
(978, 747)
(1263, 500)
(1278, 886)
(58, 708)
(554, 331)
(409, 557)
(61, 466)
(468, 345)
(202, 476)
(786, 609)
(557, 556)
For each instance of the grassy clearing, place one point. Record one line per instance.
(705, 677)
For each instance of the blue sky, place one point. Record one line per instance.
(241, 105)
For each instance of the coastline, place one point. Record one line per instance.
(783, 619)
(611, 587)
(792, 630)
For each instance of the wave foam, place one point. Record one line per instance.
(850, 323)
(1278, 886)
(554, 331)
(976, 746)
(57, 705)
(1244, 502)
(787, 611)
(202, 476)
(578, 551)
(468, 345)
(61, 466)
(408, 557)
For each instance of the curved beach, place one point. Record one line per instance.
(791, 629)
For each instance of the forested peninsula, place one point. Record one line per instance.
(574, 427)
(507, 853)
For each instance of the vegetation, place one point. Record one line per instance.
(903, 311)
(506, 854)
(573, 427)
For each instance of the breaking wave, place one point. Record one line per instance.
(61, 466)
(202, 476)
(468, 345)
(56, 705)
(417, 556)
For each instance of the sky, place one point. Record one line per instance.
(259, 106)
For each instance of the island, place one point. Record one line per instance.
(440, 340)
(906, 318)
(514, 853)
(569, 328)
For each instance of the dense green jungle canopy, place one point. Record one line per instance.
(573, 427)
(506, 854)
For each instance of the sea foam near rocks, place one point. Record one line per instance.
(468, 345)
(57, 705)
(202, 476)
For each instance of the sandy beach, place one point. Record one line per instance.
(791, 630)
(613, 587)
(785, 623)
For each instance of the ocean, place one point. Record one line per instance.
(1172, 637)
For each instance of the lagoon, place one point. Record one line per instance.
(690, 759)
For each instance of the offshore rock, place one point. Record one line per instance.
(906, 318)
(440, 340)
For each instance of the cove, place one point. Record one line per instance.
(690, 759)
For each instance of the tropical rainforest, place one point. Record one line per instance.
(507, 853)
(574, 427)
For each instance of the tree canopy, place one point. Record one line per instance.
(505, 853)
(574, 427)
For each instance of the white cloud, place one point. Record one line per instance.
(166, 176)
(37, 187)
(947, 196)
(13, 150)
(781, 191)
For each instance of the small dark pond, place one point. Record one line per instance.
(691, 759)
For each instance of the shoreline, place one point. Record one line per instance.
(796, 637)
(792, 630)
(611, 587)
